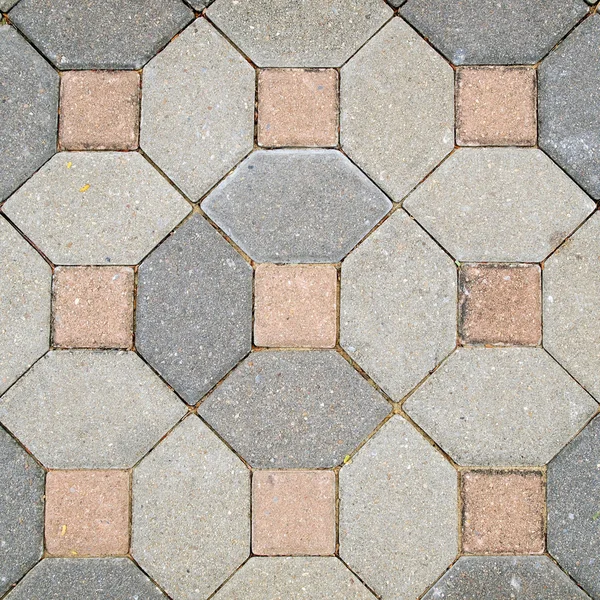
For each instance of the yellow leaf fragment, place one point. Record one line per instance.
(85, 188)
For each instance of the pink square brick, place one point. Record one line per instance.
(93, 307)
(87, 513)
(99, 110)
(295, 306)
(293, 513)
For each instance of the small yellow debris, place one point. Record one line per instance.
(85, 188)
(73, 553)
(347, 459)
(63, 531)
(69, 165)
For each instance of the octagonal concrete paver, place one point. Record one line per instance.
(288, 33)
(500, 407)
(95, 208)
(398, 305)
(294, 409)
(499, 204)
(194, 309)
(29, 99)
(296, 206)
(490, 32)
(191, 512)
(111, 34)
(398, 517)
(21, 511)
(568, 105)
(86, 409)
(197, 109)
(397, 108)
(25, 291)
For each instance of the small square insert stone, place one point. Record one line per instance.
(298, 107)
(496, 106)
(93, 307)
(295, 306)
(503, 512)
(500, 304)
(87, 513)
(293, 513)
(99, 110)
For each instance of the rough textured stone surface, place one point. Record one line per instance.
(198, 109)
(298, 206)
(25, 290)
(6, 5)
(569, 102)
(499, 204)
(112, 34)
(191, 506)
(96, 208)
(290, 409)
(21, 511)
(492, 32)
(90, 409)
(194, 309)
(286, 33)
(522, 577)
(397, 109)
(398, 519)
(89, 578)
(398, 305)
(29, 99)
(300, 578)
(500, 407)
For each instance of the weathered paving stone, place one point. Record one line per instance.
(21, 511)
(198, 109)
(111, 34)
(89, 578)
(500, 407)
(569, 101)
(86, 208)
(398, 305)
(296, 206)
(6, 5)
(294, 409)
(86, 409)
(25, 290)
(287, 33)
(522, 577)
(573, 491)
(191, 512)
(398, 518)
(29, 99)
(297, 578)
(499, 204)
(194, 309)
(397, 108)
(491, 32)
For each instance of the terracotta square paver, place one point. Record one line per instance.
(297, 107)
(503, 512)
(93, 307)
(87, 513)
(496, 106)
(293, 513)
(295, 306)
(99, 110)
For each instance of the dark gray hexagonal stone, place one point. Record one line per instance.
(493, 32)
(287, 409)
(100, 34)
(194, 308)
(569, 105)
(29, 100)
(297, 206)
(21, 511)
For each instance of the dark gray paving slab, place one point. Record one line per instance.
(569, 103)
(6, 5)
(287, 409)
(489, 32)
(296, 206)
(29, 100)
(194, 308)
